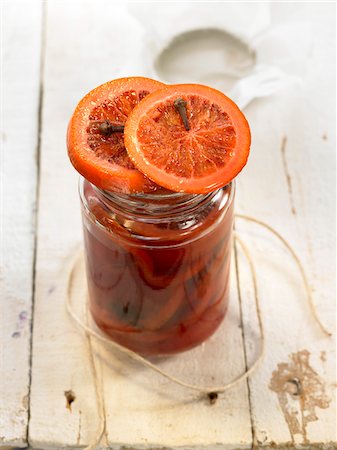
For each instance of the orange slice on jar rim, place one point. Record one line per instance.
(95, 137)
(188, 138)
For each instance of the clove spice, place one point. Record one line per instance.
(107, 128)
(180, 105)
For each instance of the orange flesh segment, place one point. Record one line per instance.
(116, 111)
(201, 150)
(102, 159)
(207, 156)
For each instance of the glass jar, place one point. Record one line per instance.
(157, 265)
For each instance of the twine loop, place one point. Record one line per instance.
(211, 391)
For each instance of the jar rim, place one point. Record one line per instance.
(180, 197)
(123, 208)
(162, 202)
(152, 196)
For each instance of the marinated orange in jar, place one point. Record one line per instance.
(157, 204)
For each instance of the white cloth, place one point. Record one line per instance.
(235, 49)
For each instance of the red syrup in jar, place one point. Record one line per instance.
(158, 265)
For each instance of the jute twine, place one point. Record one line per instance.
(211, 391)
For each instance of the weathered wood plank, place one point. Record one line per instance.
(289, 183)
(21, 51)
(142, 410)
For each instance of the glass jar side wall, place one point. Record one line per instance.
(158, 296)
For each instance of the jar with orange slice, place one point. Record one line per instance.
(157, 192)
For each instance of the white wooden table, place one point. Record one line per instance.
(52, 55)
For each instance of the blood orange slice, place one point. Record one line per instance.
(95, 135)
(188, 138)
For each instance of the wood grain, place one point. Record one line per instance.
(289, 183)
(21, 45)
